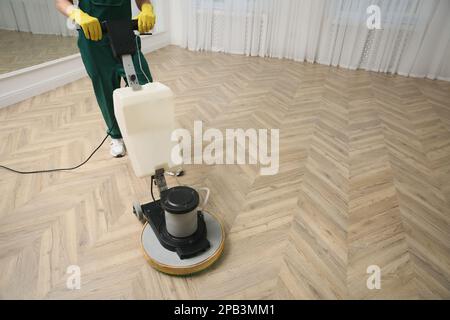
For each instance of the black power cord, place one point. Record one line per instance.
(61, 169)
(151, 189)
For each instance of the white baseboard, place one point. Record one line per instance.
(23, 84)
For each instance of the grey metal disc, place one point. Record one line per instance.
(169, 262)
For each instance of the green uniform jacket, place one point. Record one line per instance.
(104, 70)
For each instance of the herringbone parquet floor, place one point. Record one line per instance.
(364, 180)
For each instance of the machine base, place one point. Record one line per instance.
(185, 247)
(169, 262)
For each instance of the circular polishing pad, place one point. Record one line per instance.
(168, 262)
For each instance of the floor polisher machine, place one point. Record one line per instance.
(179, 237)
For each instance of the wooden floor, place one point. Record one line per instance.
(364, 180)
(23, 49)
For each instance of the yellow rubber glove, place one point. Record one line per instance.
(146, 19)
(90, 25)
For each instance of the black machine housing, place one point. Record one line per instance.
(154, 214)
(185, 248)
(121, 36)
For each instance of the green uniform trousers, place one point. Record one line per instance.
(104, 70)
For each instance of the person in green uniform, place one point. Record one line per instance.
(104, 70)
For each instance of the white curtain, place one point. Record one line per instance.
(36, 16)
(414, 39)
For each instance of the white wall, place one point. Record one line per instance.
(177, 22)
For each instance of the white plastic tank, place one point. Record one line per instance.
(146, 120)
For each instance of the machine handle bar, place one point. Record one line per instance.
(134, 26)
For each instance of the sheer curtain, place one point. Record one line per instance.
(414, 39)
(36, 16)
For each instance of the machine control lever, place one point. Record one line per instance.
(160, 180)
